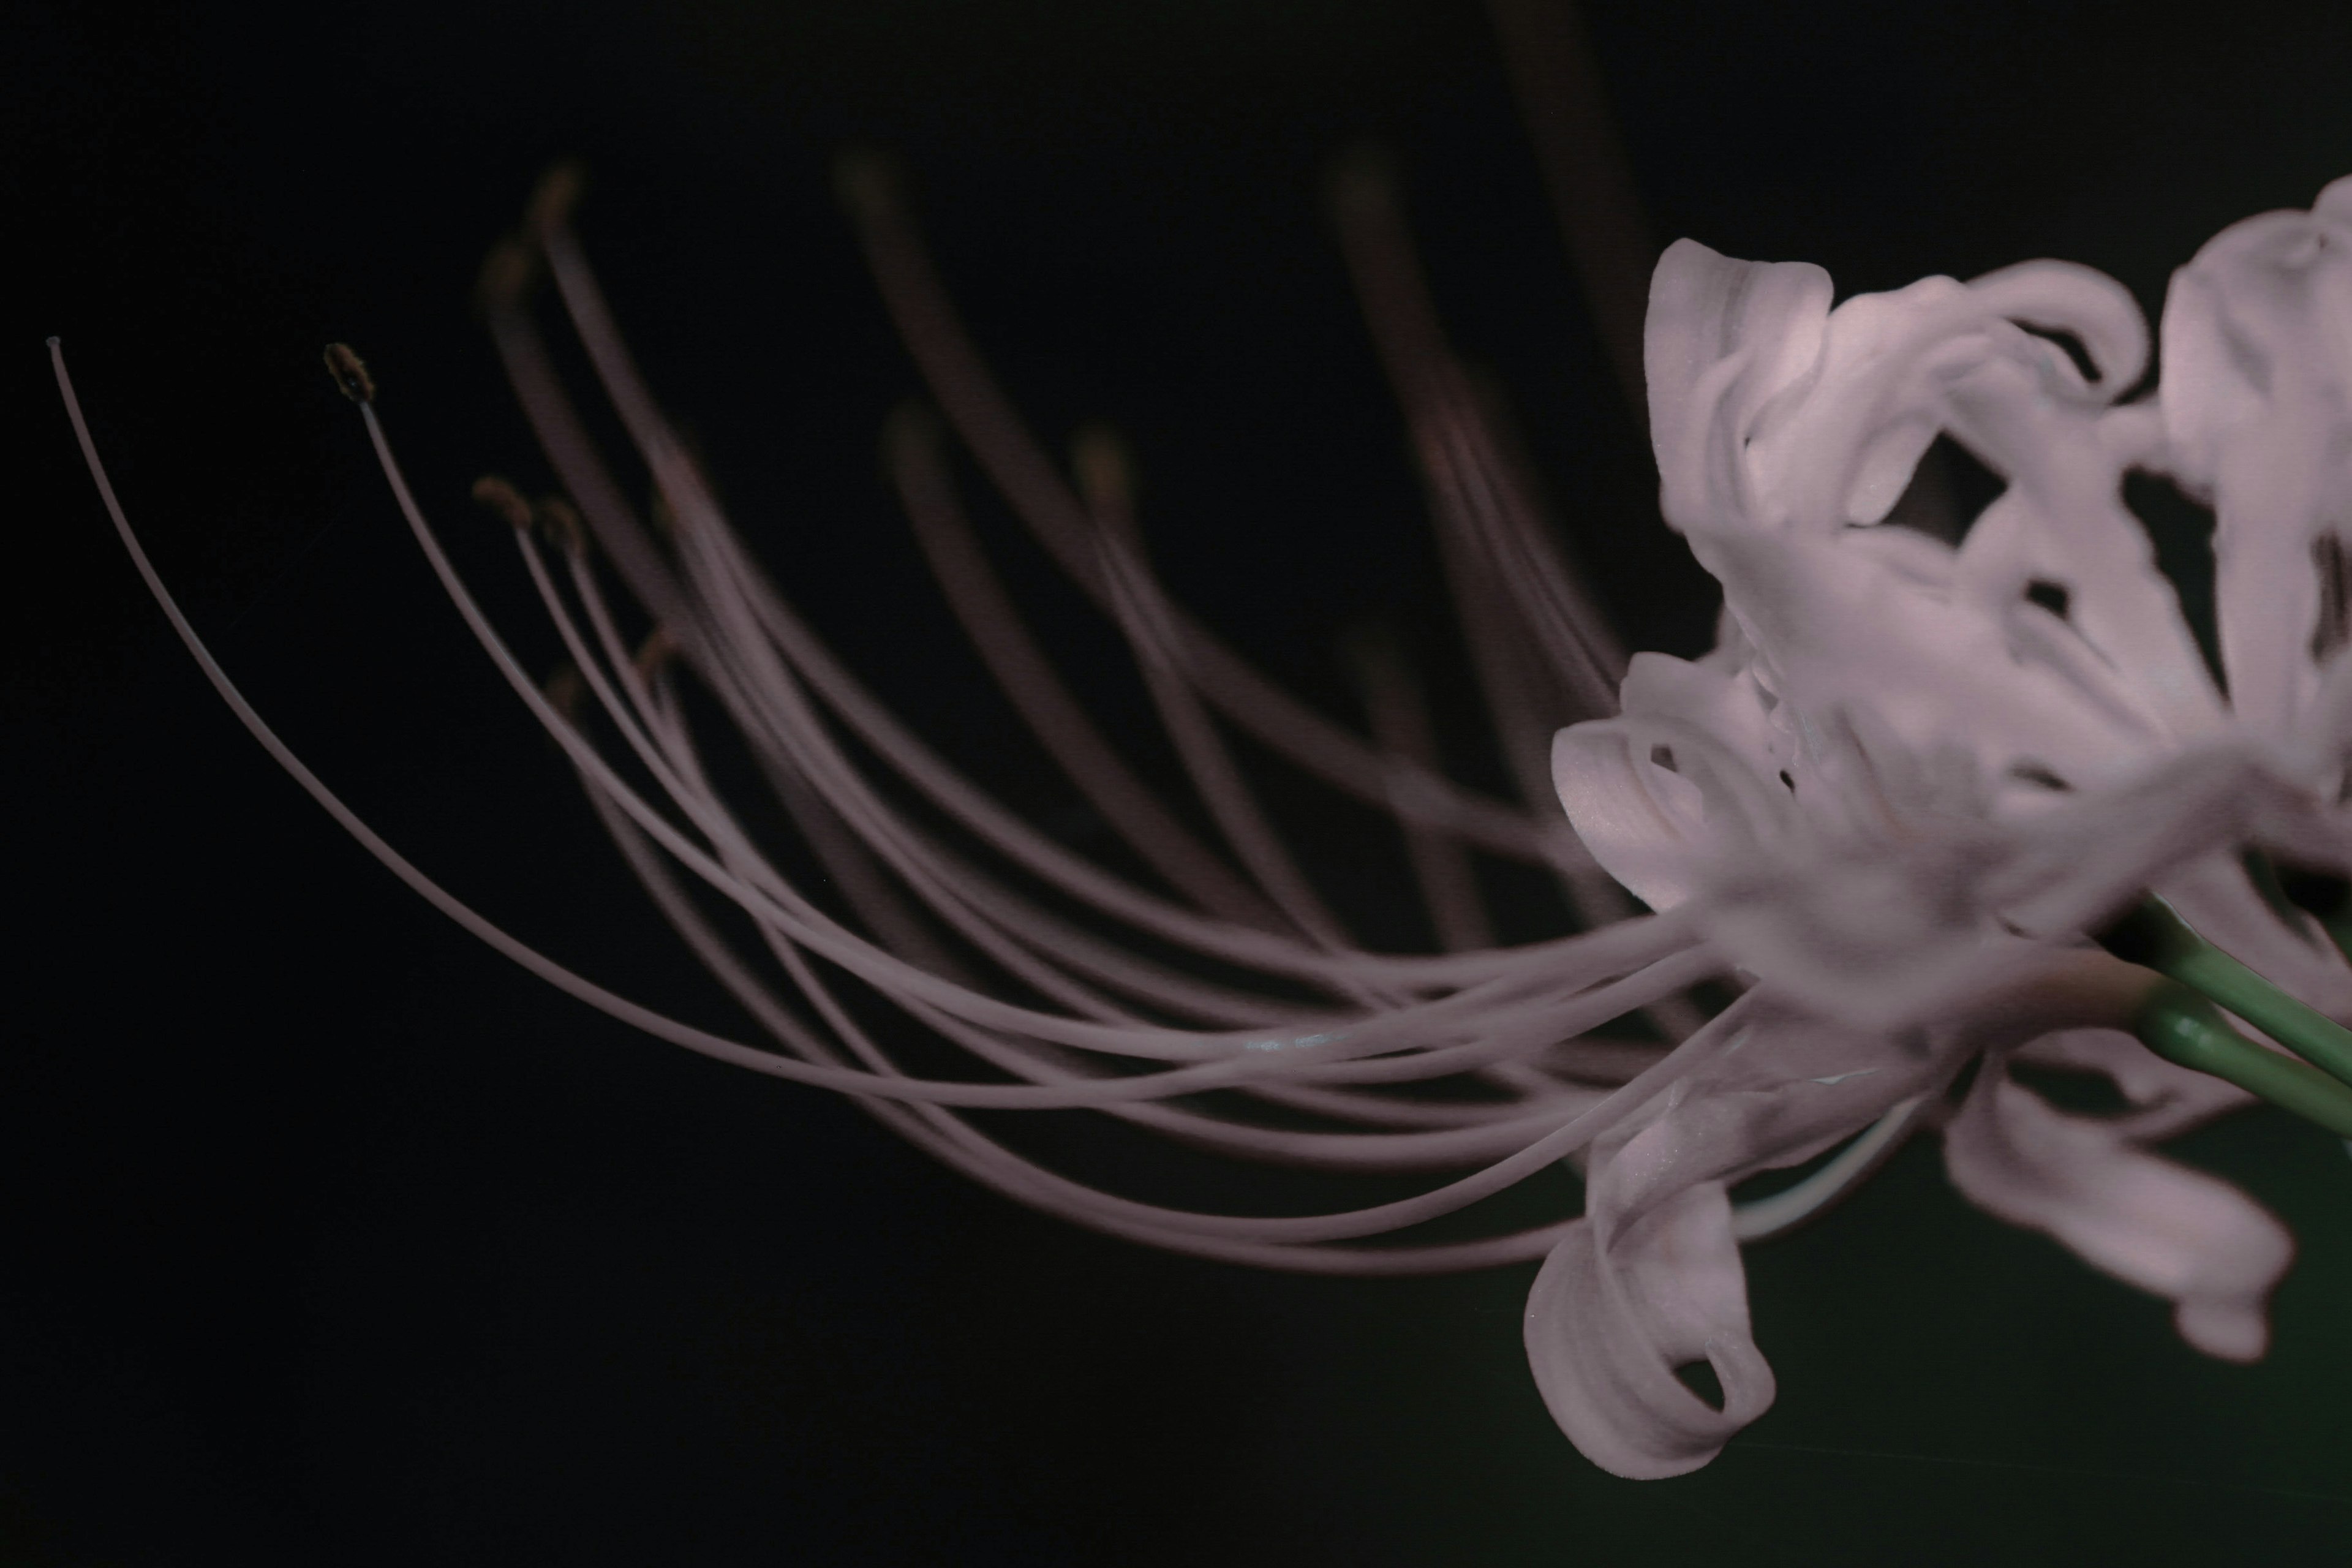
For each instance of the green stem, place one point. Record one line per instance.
(2182, 1027)
(2154, 935)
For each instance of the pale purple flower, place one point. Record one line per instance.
(1899, 776)
(1887, 806)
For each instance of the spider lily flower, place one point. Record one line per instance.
(1900, 774)
(1887, 806)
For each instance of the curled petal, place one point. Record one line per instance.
(1646, 825)
(1607, 1326)
(1720, 698)
(1656, 796)
(2178, 1233)
(2060, 296)
(1650, 1280)
(1724, 338)
(1840, 448)
(2257, 406)
(1842, 631)
(2165, 1100)
(2063, 522)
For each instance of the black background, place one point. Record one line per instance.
(326, 1235)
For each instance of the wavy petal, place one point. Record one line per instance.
(2164, 1100)
(1650, 1280)
(1657, 797)
(1722, 340)
(2257, 405)
(1607, 1327)
(2176, 1233)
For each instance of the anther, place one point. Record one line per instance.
(564, 688)
(351, 376)
(508, 273)
(557, 194)
(1106, 477)
(496, 495)
(657, 653)
(1362, 186)
(560, 525)
(867, 181)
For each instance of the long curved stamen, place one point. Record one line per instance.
(1144, 618)
(1045, 703)
(583, 473)
(969, 912)
(1508, 573)
(990, 426)
(1212, 1066)
(1528, 1026)
(1395, 705)
(1564, 104)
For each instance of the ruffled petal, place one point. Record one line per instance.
(2165, 1100)
(1880, 937)
(1645, 825)
(2061, 296)
(1651, 1279)
(1899, 928)
(2062, 521)
(1657, 796)
(1723, 338)
(1720, 698)
(1843, 631)
(1606, 1327)
(2176, 1233)
(2257, 405)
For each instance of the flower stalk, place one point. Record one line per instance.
(2184, 1027)
(2153, 935)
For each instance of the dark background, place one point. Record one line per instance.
(326, 1235)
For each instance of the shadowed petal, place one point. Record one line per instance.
(2257, 402)
(1650, 1280)
(2178, 1233)
(1606, 1328)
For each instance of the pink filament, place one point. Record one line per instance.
(1112, 1028)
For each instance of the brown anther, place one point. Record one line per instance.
(1106, 477)
(1362, 186)
(507, 273)
(867, 181)
(557, 194)
(352, 378)
(496, 495)
(564, 689)
(657, 653)
(560, 524)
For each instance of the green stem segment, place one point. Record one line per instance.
(2152, 934)
(2182, 1027)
